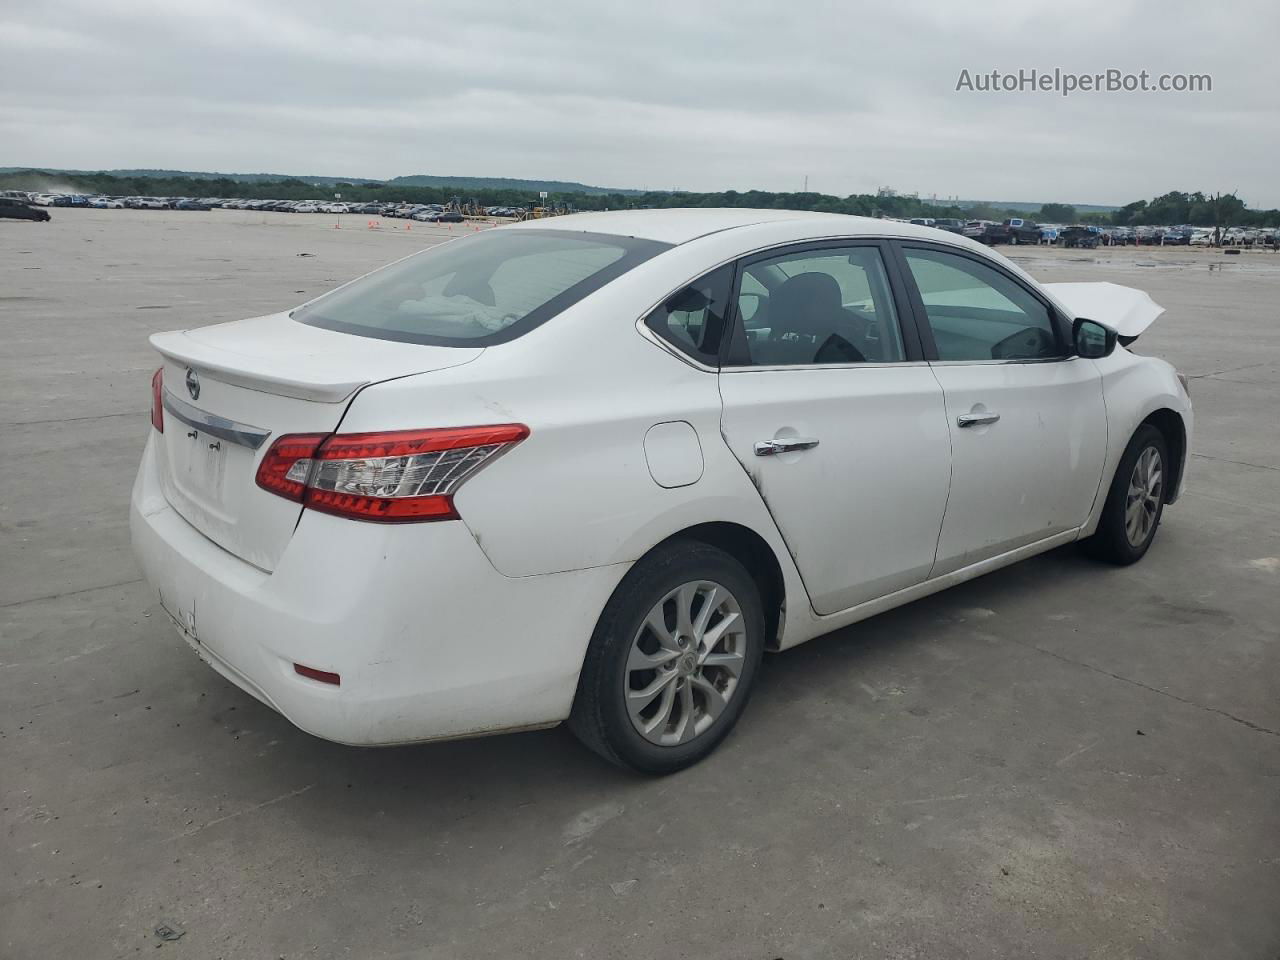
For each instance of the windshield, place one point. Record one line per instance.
(480, 290)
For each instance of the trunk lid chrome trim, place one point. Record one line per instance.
(220, 427)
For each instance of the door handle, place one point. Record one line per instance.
(976, 419)
(768, 448)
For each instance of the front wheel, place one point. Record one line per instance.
(672, 660)
(1135, 502)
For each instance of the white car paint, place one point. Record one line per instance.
(1032, 474)
(883, 434)
(481, 624)
(273, 354)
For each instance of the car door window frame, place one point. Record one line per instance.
(735, 354)
(1059, 324)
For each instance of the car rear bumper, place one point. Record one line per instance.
(429, 640)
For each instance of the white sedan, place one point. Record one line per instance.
(590, 468)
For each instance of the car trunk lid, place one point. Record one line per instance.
(232, 389)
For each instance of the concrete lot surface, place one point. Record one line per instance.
(1058, 760)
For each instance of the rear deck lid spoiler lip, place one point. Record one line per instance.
(1125, 310)
(279, 356)
(193, 354)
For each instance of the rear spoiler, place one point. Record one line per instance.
(252, 373)
(275, 354)
(1124, 310)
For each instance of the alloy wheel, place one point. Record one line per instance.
(685, 663)
(1142, 503)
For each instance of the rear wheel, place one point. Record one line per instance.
(1135, 502)
(672, 660)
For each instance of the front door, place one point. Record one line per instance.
(1027, 421)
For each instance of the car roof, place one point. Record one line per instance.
(680, 225)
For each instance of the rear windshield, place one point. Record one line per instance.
(480, 290)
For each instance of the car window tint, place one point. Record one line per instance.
(522, 283)
(977, 313)
(487, 288)
(829, 306)
(692, 320)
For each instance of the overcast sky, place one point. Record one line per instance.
(690, 95)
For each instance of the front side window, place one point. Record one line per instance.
(484, 289)
(826, 306)
(977, 313)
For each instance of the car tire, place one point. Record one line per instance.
(1013, 239)
(688, 686)
(1135, 502)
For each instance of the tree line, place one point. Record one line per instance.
(1174, 207)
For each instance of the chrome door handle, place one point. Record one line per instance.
(767, 448)
(976, 419)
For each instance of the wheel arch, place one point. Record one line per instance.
(753, 552)
(1174, 430)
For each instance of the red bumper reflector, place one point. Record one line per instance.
(324, 676)
(157, 400)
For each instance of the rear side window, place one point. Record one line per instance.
(485, 289)
(819, 307)
(693, 320)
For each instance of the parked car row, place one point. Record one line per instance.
(1014, 230)
(1017, 230)
(428, 212)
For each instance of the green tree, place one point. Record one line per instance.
(1057, 213)
(1130, 214)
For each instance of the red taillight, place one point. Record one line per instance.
(395, 477)
(157, 399)
(287, 463)
(311, 673)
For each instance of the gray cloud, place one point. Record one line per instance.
(690, 95)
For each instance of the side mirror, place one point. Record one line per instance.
(1092, 340)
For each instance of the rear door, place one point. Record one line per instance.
(1026, 418)
(841, 426)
